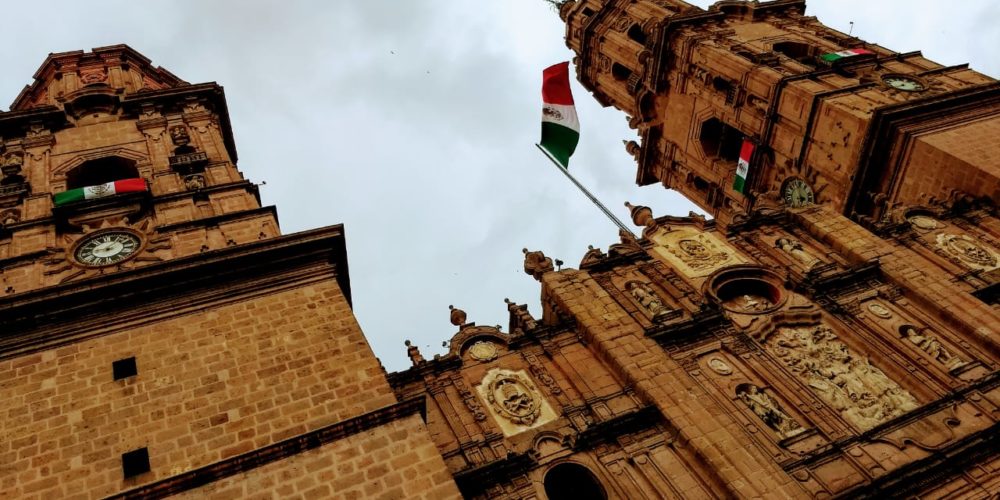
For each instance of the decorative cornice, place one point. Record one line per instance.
(58, 314)
(278, 451)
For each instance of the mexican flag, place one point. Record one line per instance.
(560, 126)
(743, 167)
(836, 56)
(100, 191)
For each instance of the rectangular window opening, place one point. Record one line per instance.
(124, 368)
(135, 462)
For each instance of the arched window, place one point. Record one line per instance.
(569, 481)
(620, 72)
(636, 33)
(719, 140)
(801, 52)
(101, 171)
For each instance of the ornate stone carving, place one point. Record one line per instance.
(484, 350)
(647, 298)
(194, 182)
(879, 310)
(512, 397)
(923, 222)
(470, 400)
(794, 249)
(10, 216)
(969, 251)
(769, 410)
(748, 303)
(179, 135)
(695, 253)
(539, 371)
(932, 346)
(536, 264)
(93, 76)
(862, 393)
(718, 365)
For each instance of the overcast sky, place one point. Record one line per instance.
(413, 123)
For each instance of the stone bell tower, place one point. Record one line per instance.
(159, 336)
(826, 117)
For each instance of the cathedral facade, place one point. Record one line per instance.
(832, 331)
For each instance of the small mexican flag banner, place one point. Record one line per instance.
(100, 191)
(743, 167)
(560, 126)
(836, 56)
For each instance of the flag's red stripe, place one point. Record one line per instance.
(130, 185)
(746, 151)
(555, 85)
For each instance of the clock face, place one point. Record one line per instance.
(797, 193)
(107, 248)
(903, 83)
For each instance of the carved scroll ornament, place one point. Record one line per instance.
(968, 251)
(513, 397)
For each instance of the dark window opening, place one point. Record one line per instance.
(124, 368)
(587, 11)
(719, 140)
(101, 171)
(747, 55)
(569, 481)
(636, 33)
(135, 462)
(798, 51)
(621, 73)
(725, 87)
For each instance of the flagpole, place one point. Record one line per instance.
(586, 193)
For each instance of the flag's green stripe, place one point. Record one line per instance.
(738, 184)
(68, 196)
(559, 141)
(831, 57)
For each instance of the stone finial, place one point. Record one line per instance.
(536, 264)
(413, 352)
(457, 316)
(633, 148)
(641, 216)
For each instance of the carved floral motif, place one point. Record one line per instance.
(862, 393)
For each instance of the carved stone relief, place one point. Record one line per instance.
(514, 400)
(718, 365)
(769, 410)
(879, 310)
(648, 299)
(923, 222)
(748, 303)
(932, 346)
(484, 351)
(795, 250)
(969, 251)
(194, 182)
(695, 253)
(860, 392)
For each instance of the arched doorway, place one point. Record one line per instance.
(569, 481)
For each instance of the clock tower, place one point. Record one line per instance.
(750, 101)
(158, 334)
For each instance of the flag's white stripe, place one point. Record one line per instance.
(742, 167)
(561, 115)
(99, 191)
